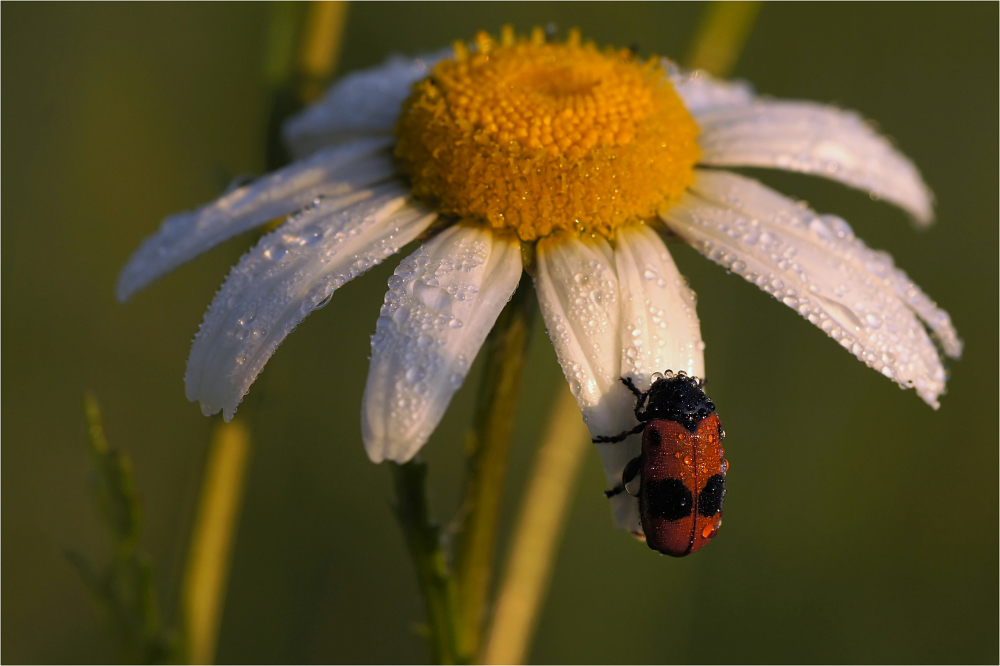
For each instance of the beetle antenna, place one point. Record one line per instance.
(627, 381)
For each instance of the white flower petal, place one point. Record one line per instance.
(702, 92)
(660, 329)
(577, 289)
(578, 292)
(659, 332)
(363, 103)
(815, 265)
(614, 457)
(182, 237)
(441, 304)
(290, 273)
(815, 139)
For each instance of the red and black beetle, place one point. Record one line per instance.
(681, 470)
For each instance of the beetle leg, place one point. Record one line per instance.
(610, 439)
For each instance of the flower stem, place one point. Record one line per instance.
(424, 540)
(320, 47)
(720, 38)
(487, 446)
(212, 539)
(303, 47)
(456, 599)
(537, 533)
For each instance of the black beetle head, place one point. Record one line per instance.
(680, 398)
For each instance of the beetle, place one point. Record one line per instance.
(681, 470)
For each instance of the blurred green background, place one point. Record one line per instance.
(861, 526)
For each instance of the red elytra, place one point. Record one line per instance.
(682, 485)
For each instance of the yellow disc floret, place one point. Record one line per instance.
(536, 137)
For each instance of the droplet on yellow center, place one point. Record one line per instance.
(538, 137)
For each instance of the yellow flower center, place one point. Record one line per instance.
(537, 137)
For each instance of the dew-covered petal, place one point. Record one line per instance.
(577, 286)
(577, 289)
(614, 457)
(702, 93)
(363, 103)
(659, 326)
(817, 266)
(815, 139)
(659, 332)
(334, 172)
(291, 272)
(441, 304)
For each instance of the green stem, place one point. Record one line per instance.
(537, 532)
(487, 446)
(213, 538)
(724, 30)
(456, 602)
(424, 541)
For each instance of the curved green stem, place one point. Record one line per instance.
(487, 446)
(457, 598)
(720, 38)
(423, 538)
(537, 532)
(213, 538)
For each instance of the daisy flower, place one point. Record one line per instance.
(574, 164)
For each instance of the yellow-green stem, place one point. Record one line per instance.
(487, 446)
(210, 552)
(303, 46)
(423, 538)
(320, 46)
(720, 38)
(538, 530)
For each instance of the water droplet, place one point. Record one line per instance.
(431, 295)
(401, 315)
(275, 253)
(311, 235)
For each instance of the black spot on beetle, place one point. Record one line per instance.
(668, 499)
(711, 496)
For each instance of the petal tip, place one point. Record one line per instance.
(128, 282)
(375, 450)
(381, 449)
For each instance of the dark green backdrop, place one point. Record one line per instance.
(860, 524)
